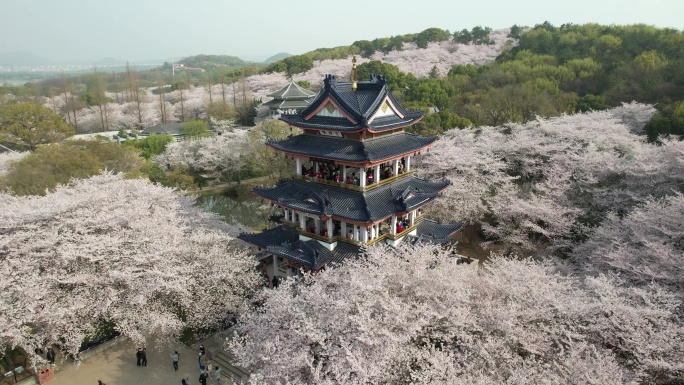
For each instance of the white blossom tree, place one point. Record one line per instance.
(645, 246)
(7, 157)
(416, 316)
(217, 157)
(110, 251)
(541, 183)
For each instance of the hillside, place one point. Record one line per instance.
(277, 57)
(411, 58)
(209, 62)
(468, 78)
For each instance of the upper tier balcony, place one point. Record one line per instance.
(354, 178)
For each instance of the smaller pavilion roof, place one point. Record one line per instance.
(429, 231)
(292, 91)
(284, 241)
(353, 151)
(314, 255)
(276, 236)
(287, 104)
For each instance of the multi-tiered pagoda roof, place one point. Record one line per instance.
(353, 185)
(370, 106)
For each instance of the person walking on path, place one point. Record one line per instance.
(174, 358)
(99, 382)
(138, 356)
(50, 356)
(185, 381)
(201, 362)
(144, 357)
(203, 378)
(217, 375)
(209, 367)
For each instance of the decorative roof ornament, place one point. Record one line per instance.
(353, 73)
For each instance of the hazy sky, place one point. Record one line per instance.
(161, 29)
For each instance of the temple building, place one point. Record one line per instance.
(290, 99)
(354, 184)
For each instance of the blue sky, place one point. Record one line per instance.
(159, 29)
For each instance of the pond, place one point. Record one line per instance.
(249, 210)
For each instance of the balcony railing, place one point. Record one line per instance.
(403, 232)
(351, 186)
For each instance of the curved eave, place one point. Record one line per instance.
(369, 147)
(375, 129)
(425, 199)
(372, 128)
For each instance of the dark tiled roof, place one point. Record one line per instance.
(314, 255)
(292, 91)
(429, 231)
(361, 105)
(401, 195)
(342, 124)
(287, 104)
(284, 242)
(271, 237)
(371, 150)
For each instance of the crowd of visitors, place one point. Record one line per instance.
(334, 173)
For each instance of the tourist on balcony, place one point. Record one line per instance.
(338, 178)
(370, 178)
(349, 180)
(400, 227)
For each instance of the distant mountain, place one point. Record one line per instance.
(276, 57)
(209, 62)
(22, 59)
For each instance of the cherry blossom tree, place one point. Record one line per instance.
(147, 111)
(416, 316)
(645, 246)
(110, 251)
(217, 157)
(539, 184)
(7, 157)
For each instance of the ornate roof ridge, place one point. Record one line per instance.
(282, 92)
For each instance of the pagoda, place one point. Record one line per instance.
(290, 99)
(354, 185)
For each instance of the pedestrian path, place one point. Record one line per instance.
(115, 364)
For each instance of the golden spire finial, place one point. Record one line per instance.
(353, 74)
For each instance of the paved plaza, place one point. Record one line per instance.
(115, 364)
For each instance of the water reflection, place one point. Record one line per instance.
(249, 211)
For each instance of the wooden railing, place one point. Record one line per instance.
(351, 186)
(403, 232)
(340, 238)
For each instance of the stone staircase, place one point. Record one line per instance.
(225, 360)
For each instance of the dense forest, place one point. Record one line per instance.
(552, 71)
